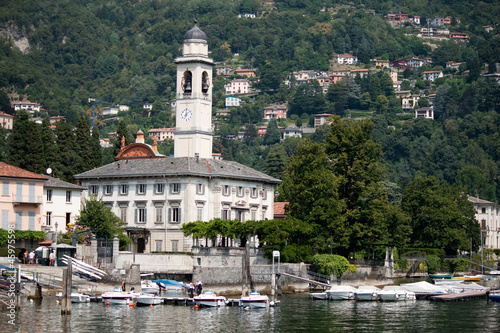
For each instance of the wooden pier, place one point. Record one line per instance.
(185, 301)
(459, 297)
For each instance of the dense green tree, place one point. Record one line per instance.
(441, 215)
(83, 144)
(67, 151)
(475, 182)
(273, 134)
(276, 161)
(103, 223)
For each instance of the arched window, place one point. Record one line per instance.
(187, 82)
(205, 82)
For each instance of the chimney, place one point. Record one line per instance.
(155, 146)
(140, 137)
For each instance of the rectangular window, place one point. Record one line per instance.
(141, 188)
(253, 215)
(175, 188)
(200, 213)
(48, 219)
(19, 192)
(159, 245)
(225, 190)
(68, 196)
(254, 192)
(174, 215)
(200, 189)
(264, 194)
(263, 213)
(123, 189)
(108, 189)
(483, 210)
(240, 216)
(5, 188)
(159, 214)
(93, 190)
(226, 214)
(31, 220)
(175, 245)
(19, 220)
(123, 214)
(68, 218)
(140, 215)
(5, 219)
(31, 192)
(159, 188)
(240, 191)
(49, 195)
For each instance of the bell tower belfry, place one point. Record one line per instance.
(193, 118)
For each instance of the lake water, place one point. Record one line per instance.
(295, 313)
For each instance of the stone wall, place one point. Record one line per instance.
(174, 263)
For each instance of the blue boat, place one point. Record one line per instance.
(494, 295)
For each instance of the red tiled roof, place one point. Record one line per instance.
(7, 170)
(279, 208)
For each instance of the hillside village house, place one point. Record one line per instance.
(347, 59)
(359, 72)
(6, 120)
(431, 75)
(27, 106)
(275, 111)
(488, 216)
(155, 195)
(162, 133)
(237, 86)
(427, 112)
(381, 63)
(147, 106)
(61, 204)
(233, 101)
(321, 118)
(409, 102)
(292, 131)
(21, 200)
(245, 72)
(224, 70)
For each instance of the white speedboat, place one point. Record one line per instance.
(76, 297)
(255, 300)
(148, 299)
(341, 293)
(453, 280)
(117, 296)
(319, 296)
(209, 299)
(149, 287)
(366, 293)
(396, 293)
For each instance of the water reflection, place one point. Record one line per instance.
(295, 313)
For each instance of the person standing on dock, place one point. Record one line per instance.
(124, 287)
(191, 289)
(199, 287)
(52, 258)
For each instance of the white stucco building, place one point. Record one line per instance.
(155, 195)
(61, 204)
(488, 216)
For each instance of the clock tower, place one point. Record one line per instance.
(193, 119)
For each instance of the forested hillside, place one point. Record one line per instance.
(61, 53)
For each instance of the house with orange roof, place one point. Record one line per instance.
(321, 118)
(361, 72)
(21, 201)
(27, 106)
(280, 210)
(237, 86)
(6, 120)
(245, 72)
(431, 75)
(381, 63)
(162, 133)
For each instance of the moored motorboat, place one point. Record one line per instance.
(209, 299)
(441, 276)
(396, 293)
(494, 295)
(117, 296)
(148, 299)
(76, 297)
(149, 287)
(475, 278)
(341, 293)
(319, 296)
(255, 300)
(366, 293)
(452, 280)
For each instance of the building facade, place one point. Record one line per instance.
(155, 195)
(488, 216)
(21, 198)
(61, 204)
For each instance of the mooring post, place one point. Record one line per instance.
(66, 288)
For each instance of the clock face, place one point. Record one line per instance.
(186, 114)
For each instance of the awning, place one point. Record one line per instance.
(48, 242)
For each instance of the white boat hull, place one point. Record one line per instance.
(255, 301)
(118, 298)
(148, 300)
(366, 296)
(338, 295)
(319, 296)
(386, 296)
(210, 303)
(76, 297)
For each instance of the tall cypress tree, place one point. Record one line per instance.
(34, 159)
(83, 143)
(70, 158)
(121, 131)
(49, 145)
(17, 140)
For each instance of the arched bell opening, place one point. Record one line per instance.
(187, 82)
(205, 82)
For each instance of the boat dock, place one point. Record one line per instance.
(459, 297)
(185, 301)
